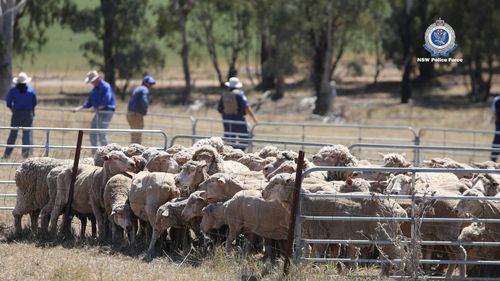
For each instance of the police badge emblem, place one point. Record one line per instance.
(440, 39)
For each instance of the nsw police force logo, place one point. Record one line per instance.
(440, 39)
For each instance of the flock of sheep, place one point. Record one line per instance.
(191, 195)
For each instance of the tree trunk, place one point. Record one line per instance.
(7, 18)
(426, 70)
(185, 55)
(266, 52)
(107, 10)
(208, 22)
(322, 66)
(405, 83)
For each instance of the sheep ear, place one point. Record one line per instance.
(381, 154)
(203, 195)
(403, 154)
(105, 157)
(348, 181)
(221, 180)
(288, 180)
(112, 214)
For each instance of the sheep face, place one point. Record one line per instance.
(486, 183)
(211, 217)
(233, 155)
(212, 185)
(355, 185)
(121, 216)
(280, 188)
(399, 185)
(337, 155)
(191, 175)
(140, 163)
(395, 160)
(163, 162)
(194, 206)
(268, 151)
(118, 162)
(287, 167)
(254, 162)
(134, 149)
(472, 207)
(163, 219)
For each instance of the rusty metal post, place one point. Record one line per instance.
(67, 220)
(293, 211)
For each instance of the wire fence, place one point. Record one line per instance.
(415, 218)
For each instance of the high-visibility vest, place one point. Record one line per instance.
(230, 102)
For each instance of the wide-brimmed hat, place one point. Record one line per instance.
(234, 83)
(22, 78)
(91, 76)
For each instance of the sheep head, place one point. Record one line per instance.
(280, 188)
(395, 160)
(192, 174)
(212, 217)
(337, 155)
(470, 207)
(116, 162)
(196, 202)
(162, 161)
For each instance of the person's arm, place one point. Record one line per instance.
(249, 111)
(9, 99)
(220, 106)
(87, 104)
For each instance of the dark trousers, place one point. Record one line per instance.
(239, 130)
(496, 143)
(21, 118)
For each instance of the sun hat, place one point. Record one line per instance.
(149, 79)
(91, 76)
(233, 83)
(22, 78)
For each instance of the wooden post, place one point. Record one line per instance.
(67, 220)
(293, 211)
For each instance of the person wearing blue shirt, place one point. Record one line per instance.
(102, 100)
(496, 116)
(21, 100)
(138, 107)
(233, 106)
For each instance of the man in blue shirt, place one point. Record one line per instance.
(233, 106)
(21, 100)
(102, 100)
(138, 107)
(496, 139)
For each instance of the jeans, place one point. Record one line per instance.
(101, 120)
(238, 130)
(21, 118)
(496, 143)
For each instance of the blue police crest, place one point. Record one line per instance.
(440, 39)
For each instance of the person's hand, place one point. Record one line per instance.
(76, 109)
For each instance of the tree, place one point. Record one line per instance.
(122, 43)
(174, 17)
(22, 25)
(327, 22)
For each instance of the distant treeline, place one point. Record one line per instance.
(288, 33)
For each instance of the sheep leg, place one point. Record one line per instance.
(233, 234)
(54, 216)
(352, 252)
(100, 222)
(17, 224)
(93, 226)
(34, 220)
(45, 218)
(83, 226)
(457, 253)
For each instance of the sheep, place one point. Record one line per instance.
(337, 155)
(117, 208)
(222, 187)
(395, 160)
(149, 191)
(486, 165)
(355, 185)
(175, 148)
(192, 174)
(103, 151)
(486, 183)
(254, 162)
(280, 159)
(162, 161)
(451, 164)
(32, 189)
(268, 151)
(425, 182)
(233, 155)
(290, 167)
(195, 203)
(216, 142)
(169, 215)
(281, 190)
(89, 188)
(215, 163)
(134, 149)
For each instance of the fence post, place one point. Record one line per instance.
(67, 219)
(294, 213)
(47, 143)
(414, 256)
